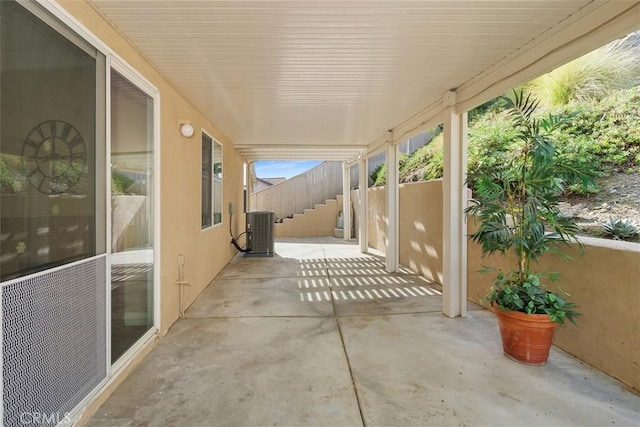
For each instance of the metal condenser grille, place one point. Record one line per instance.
(261, 236)
(53, 342)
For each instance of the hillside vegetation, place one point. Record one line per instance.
(604, 133)
(598, 93)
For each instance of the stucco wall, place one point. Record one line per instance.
(421, 228)
(206, 252)
(604, 281)
(377, 218)
(420, 225)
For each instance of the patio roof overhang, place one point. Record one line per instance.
(327, 80)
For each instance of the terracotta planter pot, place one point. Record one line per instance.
(526, 338)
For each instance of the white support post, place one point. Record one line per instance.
(392, 256)
(363, 185)
(463, 202)
(250, 178)
(454, 301)
(346, 200)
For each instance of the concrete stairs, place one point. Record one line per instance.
(319, 221)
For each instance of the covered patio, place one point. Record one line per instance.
(321, 334)
(161, 108)
(345, 81)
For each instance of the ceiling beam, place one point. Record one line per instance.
(289, 152)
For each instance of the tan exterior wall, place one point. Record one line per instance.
(420, 225)
(377, 218)
(604, 281)
(206, 252)
(421, 228)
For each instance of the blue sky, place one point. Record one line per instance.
(285, 168)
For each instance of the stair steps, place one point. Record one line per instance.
(319, 221)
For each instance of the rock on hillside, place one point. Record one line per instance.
(619, 197)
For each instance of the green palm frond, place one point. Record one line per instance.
(517, 207)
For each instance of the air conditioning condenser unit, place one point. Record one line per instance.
(260, 233)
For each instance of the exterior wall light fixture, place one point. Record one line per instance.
(186, 129)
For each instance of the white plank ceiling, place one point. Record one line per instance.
(324, 79)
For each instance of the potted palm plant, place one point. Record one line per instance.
(517, 209)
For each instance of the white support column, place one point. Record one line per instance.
(454, 301)
(363, 185)
(250, 178)
(463, 195)
(346, 200)
(392, 256)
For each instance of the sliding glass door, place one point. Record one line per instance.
(132, 202)
(51, 147)
(52, 215)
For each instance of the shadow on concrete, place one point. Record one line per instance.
(321, 335)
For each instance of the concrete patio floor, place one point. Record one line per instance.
(320, 335)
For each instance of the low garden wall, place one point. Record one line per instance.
(603, 280)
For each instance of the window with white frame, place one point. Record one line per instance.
(211, 213)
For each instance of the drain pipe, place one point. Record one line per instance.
(182, 282)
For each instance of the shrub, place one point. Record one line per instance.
(607, 131)
(425, 163)
(600, 134)
(378, 176)
(592, 76)
(491, 143)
